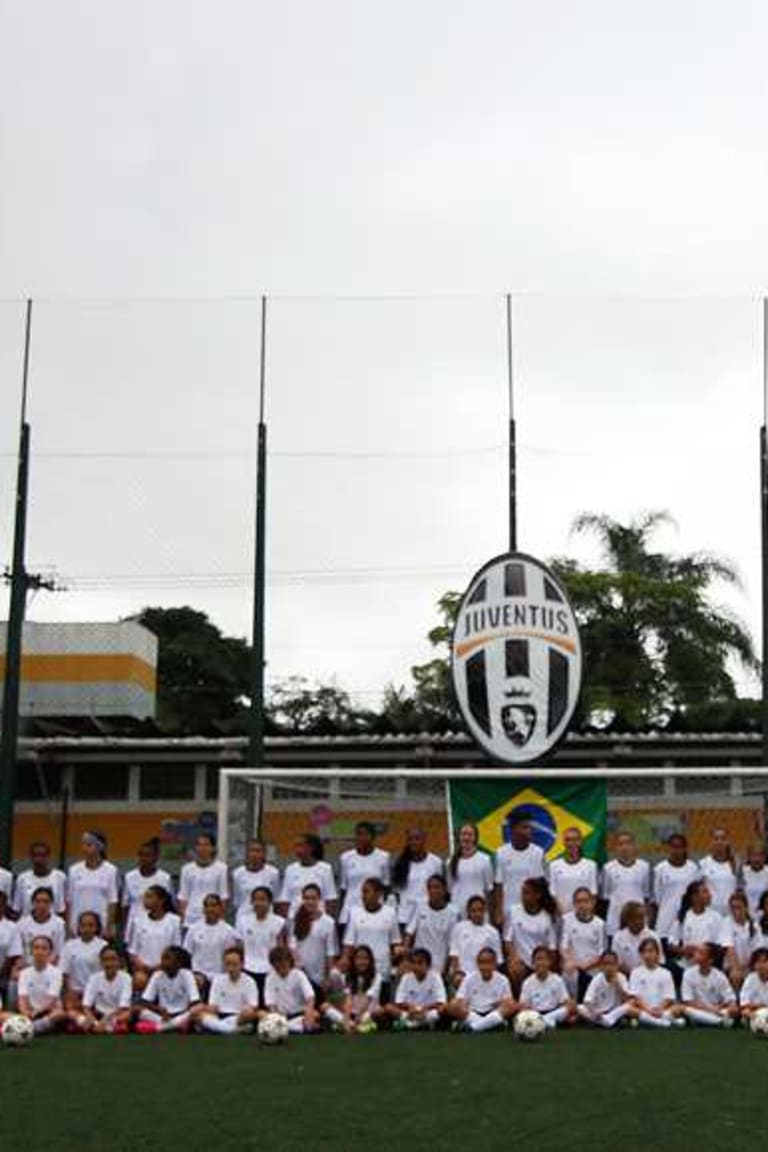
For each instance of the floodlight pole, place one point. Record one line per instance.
(512, 434)
(9, 737)
(764, 535)
(256, 715)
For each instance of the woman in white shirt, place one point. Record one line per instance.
(470, 871)
(739, 937)
(699, 923)
(529, 925)
(754, 876)
(156, 929)
(145, 875)
(358, 864)
(260, 930)
(256, 872)
(571, 871)
(309, 867)
(92, 885)
(201, 877)
(720, 871)
(411, 871)
(313, 941)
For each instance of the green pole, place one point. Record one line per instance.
(256, 727)
(9, 737)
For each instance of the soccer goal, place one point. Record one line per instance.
(278, 805)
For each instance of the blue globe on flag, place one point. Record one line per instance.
(542, 821)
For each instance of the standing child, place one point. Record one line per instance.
(363, 862)
(420, 998)
(309, 867)
(375, 923)
(208, 939)
(631, 934)
(707, 994)
(529, 925)
(40, 874)
(233, 1002)
(92, 885)
(411, 871)
(484, 1000)
(470, 871)
(42, 921)
(171, 1001)
(582, 943)
(151, 933)
(754, 990)
(653, 990)
(288, 991)
(468, 938)
(260, 930)
(671, 877)
(720, 871)
(106, 1004)
(361, 1008)
(313, 941)
(606, 1000)
(146, 874)
(81, 958)
(754, 876)
(256, 872)
(40, 989)
(625, 878)
(545, 992)
(739, 938)
(203, 876)
(571, 872)
(431, 924)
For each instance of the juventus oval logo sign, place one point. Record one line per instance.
(516, 658)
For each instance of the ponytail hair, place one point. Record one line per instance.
(453, 866)
(547, 901)
(315, 844)
(687, 900)
(302, 921)
(402, 867)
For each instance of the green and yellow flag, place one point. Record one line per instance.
(550, 806)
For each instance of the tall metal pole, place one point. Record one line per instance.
(256, 727)
(764, 533)
(9, 737)
(512, 435)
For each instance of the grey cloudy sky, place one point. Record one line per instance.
(385, 173)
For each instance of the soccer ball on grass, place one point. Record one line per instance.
(529, 1025)
(273, 1029)
(758, 1022)
(17, 1031)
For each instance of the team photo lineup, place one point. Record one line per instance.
(474, 943)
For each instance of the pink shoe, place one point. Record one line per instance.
(120, 1029)
(145, 1027)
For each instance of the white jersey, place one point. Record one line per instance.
(468, 940)
(259, 937)
(354, 870)
(755, 883)
(622, 883)
(379, 930)
(207, 943)
(415, 890)
(669, 884)
(481, 995)
(91, 890)
(246, 880)
(231, 997)
(174, 994)
(712, 989)
(754, 991)
(54, 929)
(514, 866)
(40, 985)
(28, 882)
(566, 877)
(198, 881)
(80, 960)
(582, 940)
(722, 881)
(431, 928)
(297, 876)
(654, 986)
(627, 944)
(314, 953)
(742, 938)
(474, 877)
(149, 937)
(603, 996)
(543, 995)
(421, 993)
(699, 928)
(11, 946)
(6, 885)
(289, 994)
(134, 887)
(106, 997)
(525, 931)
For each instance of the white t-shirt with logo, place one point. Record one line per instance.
(198, 881)
(627, 944)
(288, 994)
(722, 881)
(514, 866)
(743, 938)
(566, 877)
(699, 928)
(481, 995)
(317, 949)
(582, 940)
(91, 890)
(174, 994)
(11, 945)
(543, 995)
(754, 883)
(232, 997)
(354, 870)
(148, 937)
(654, 986)
(603, 995)
(40, 985)
(134, 887)
(54, 929)
(712, 989)
(6, 885)
(669, 884)
(259, 937)
(468, 940)
(526, 931)
(28, 882)
(379, 930)
(421, 993)
(80, 960)
(431, 929)
(474, 877)
(297, 876)
(415, 890)
(622, 883)
(207, 943)
(246, 880)
(106, 997)
(754, 991)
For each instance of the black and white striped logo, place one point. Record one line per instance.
(516, 659)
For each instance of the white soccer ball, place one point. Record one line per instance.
(758, 1022)
(17, 1031)
(273, 1028)
(529, 1025)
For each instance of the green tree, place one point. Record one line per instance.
(431, 706)
(202, 675)
(297, 707)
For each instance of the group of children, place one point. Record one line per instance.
(411, 944)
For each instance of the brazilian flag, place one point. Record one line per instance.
(551, 807)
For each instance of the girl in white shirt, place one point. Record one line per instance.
(754, 990)
(739, 938)
(151, 933)
(106, 1005)
(260, 930)
(468, 938)
(754, 876)
(484, 1000)
(699, 923)
(653, 990)
(145, 875)
(41, 921)
(707, 994)
(256, 872)
(40, 875)
(207, 941)
(411, 872)
(432, 923)
(530, 924)
(470, 871)
(40, 989)
(582, 943)
(606, 1000)
(363, 862)
(625, 878)
(545, 992)
(420, 998)
(203, 876)
(375, 923)
(632, 933)
(92, 885)
(81, 959)
(671, 877)
(288, 991)
(309, 867)
(233, 1001)
(720, 871)
(571, 871)
(171, 1000)
(361, 1010)
(313, 941)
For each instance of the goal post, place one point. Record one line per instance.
(276, 805)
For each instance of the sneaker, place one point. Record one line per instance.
(145, 1027)
(679, 1022)
(401, 1025)
(728, 1021)
(367, 1026)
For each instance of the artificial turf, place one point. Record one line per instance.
(681, 1091)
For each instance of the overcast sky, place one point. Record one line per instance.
(384, 173)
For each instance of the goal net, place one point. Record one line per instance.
(278, 805)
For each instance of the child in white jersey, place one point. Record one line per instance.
(360, 1009)
(606, 1000)
(171, 1001)
(42, 921)
(739, 937)
(106, 1003)
(632, 932)
(92, 885)
(699, 923)
(754, 876)
(754, 990)
(256, 872)
(529, 925)
(313, 941)
(150, 933)
(359, 864)
(624, 878)
(309, 867)
(582, 943)
(146, 874)
(653, 990)
(81, 959)
(431, 924)
(260, 930)
(720, 870)
(233, 1000)
(288, 991)
(208, 939)
(375, 923)
(11, 949)
(201, 877)
(671, 877)
(545, 992)
(484, 1000)
(420, 997)
(572, 871)
(707, 994)
(40, 989)
(469, 871)
(468, 938)
(411, 872)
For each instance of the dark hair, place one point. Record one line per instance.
(355, 981)
(110, 948)
(315, 843)
(609, 954)
(758, 954)
(402, 865)
(153, 843)
(583, 888)
(693, 888)
(476, 899)
(541, 950)
(740, 894)
(39, 844)
(302, 921)
(650, 942)
(100, 839)
(627, 909)
(436, 877)
(373, 882)
(209, 836)
(236, 948)
(42, 891)
(181, 956)
(163, 894)
(486, 952)
(547, 901)
(673, 836)
(453, 866)
(96, 917)
(366, 826)
(265, 892)
(422, 954)
(280, 953)
(213, 898)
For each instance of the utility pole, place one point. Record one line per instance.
(256, 718)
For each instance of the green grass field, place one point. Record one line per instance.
(669, 1092)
